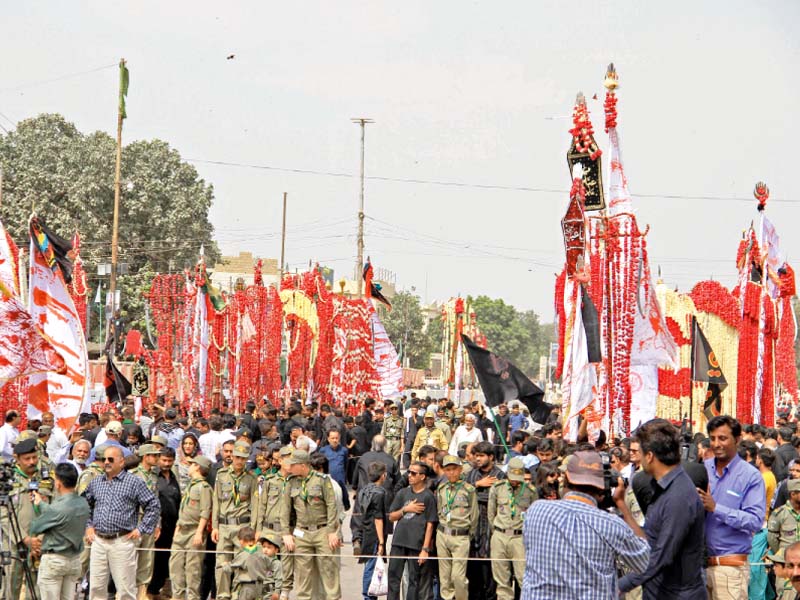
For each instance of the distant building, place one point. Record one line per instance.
(233, 270)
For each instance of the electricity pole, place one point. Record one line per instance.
(360, 264)
(123, 90)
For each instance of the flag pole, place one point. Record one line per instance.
(111, 330)
(692, 376)
(499, 433)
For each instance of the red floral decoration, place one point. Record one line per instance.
(582, 130)
(712, 297)
(748, 352)
(561, 324)
(675, 384)
(167, 298)
(676, 333)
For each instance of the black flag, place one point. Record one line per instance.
(117, 387)
(591, 325)
(502, 382)
(705, 367)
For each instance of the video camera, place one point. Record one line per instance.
(610, 479)
(6, 478)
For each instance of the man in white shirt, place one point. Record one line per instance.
(9, 434)
(465, 433)
(58, 443)
(211, 442)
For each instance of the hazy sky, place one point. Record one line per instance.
(467, 92)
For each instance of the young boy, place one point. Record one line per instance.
(249, 567)
(270, 546)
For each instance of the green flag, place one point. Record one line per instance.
(124, 78)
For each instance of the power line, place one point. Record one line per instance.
(463, 184)
(54, 79)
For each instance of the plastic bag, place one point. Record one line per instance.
(379, 584)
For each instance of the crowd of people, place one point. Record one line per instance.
(455, 503)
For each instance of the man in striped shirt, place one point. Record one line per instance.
(572, 547)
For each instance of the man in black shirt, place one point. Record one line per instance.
(356, 442)
(483, 477)
(413, 423)
(169, 494)
(414, 513)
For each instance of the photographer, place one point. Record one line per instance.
(572, 547)
(63, 524)
(675, 520)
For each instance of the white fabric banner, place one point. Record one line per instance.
(387, 363)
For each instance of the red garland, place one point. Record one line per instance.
(610, 107)
(675, 385)
(561, 322)
(167, 298)
(582, 130)
(748, 353)
(676, 333)
(785, 369)
(770, 337)
(712, 297)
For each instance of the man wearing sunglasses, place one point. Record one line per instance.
(414, 513)
(114, 528)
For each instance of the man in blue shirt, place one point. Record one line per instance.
(675, 521)
(337, 463)
(516, 420)
(735, 508)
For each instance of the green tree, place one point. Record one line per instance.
(67, 177)
(404, 324)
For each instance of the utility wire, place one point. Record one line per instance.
(54, 79)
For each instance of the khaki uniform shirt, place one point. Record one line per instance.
(392, 428)
(21, 498)
(433, 437)
(310, 503)
(196, 503)
(457, 505)
(508, 505)
(444, 426)
(268, 512)
(86, 476)
(234, 496)
(782, 527)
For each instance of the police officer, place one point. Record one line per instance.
(267, 515)
(392, 430)
(148, 453)
(84, 479)
(457, 506)
(508, 501)
(310, 525)
(429, 435)
(190, 532)
(782, 527)
(29, 475)
(234, 496)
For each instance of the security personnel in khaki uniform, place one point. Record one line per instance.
(185, 568)
(782, 527)
(310, 525)
(148, 453)
(457, 505)
(84, 479)
(442, 423)
(508, 500)
(28, 475)
(267, 515)
(429, 435)
(392, 430)
(234, 498)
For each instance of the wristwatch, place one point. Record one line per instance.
(425, 549)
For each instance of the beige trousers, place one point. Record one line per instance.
(112, 558)
(185, 568)
(307, 569)
(58, 576)
(144, 559)
(512, 549)
(453, 582)
(727, 583)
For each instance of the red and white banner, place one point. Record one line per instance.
(53, 310)
(387, 363)
(23, 350)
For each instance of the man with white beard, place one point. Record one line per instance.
(80, 454)
(465, 433)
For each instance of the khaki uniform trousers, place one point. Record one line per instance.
(727, 583)
(307, 569)
(185, 568)
(249, 591)
(287, 565)
(58, 576)
(229, 543)
(86, 554)
(144, 559)
(509, 547)
(393, 447)
(453, 582)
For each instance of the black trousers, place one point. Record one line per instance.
(161, 561)
(481, 581)
(399, 558)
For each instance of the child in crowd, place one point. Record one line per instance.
(249, 567)
(270, 546)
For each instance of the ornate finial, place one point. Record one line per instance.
(612, 80)
(761, 192)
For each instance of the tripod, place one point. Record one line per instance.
(6, 556)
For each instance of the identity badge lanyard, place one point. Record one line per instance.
(236, 491)
(452, 492)
(514, 498)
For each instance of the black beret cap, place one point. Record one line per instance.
(25, 446)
